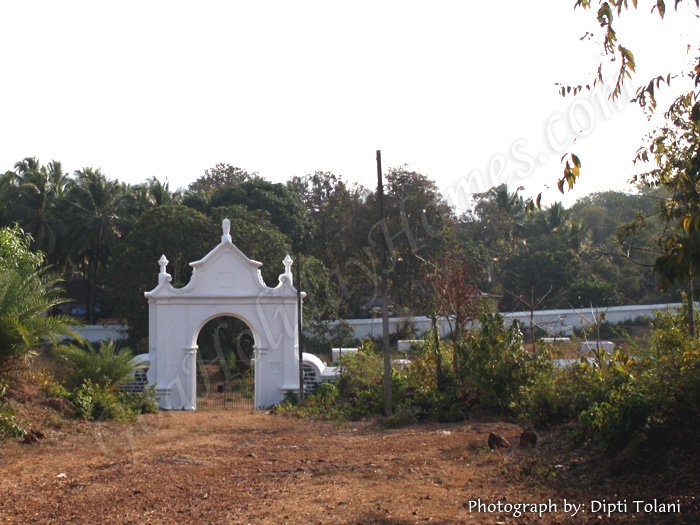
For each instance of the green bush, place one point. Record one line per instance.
(493, 364)
(324, 404)
(361, 385)
(98, 402)
(82, 398)
(51, 388)
(144, 402)
(620, 398)
(546, 398)
(104, 367)
(8, 427)
(106, 405)
(403, 414)
(613, 422)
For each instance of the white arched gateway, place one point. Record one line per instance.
(224, 283)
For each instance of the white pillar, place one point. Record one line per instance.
(189, 366)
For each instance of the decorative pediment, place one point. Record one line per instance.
(224, 271)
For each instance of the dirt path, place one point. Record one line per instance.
(238, 467)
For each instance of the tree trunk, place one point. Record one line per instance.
(438, 357)
(691, 306)
(92, 283)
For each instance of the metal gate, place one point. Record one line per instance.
(233, 391)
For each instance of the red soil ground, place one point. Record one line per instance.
(252, 467)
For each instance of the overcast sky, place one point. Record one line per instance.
(461, 91)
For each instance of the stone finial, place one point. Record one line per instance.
(287, 265)
(226, 226)
(163, 275)
(286, 277)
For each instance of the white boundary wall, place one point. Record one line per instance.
(94, 333)
(544, 318)
(373, 327)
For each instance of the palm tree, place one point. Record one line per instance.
(37, 208)
(26, 165)
(105, 366)
(504, 214)
(8, 195)
(153, 193)
(25, 298)
(549, 221)
(577, 234)
(160, 194)
(96, 204)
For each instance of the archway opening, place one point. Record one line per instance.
(225, 365)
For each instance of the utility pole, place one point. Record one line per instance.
(385, 299)
(299, 323)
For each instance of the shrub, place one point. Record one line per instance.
(98, 402)
(82, 398)
(104, 367)
(51, 388)
(404, 414)
(8, 427)
(493, 363)
(546, 398)
(144, 402)
(360, 386)
(324, 404)
(622, 397)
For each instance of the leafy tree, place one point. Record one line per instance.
(624, 232)
(321, 301)
(219, 177)
(675, 149)
(593, 291)
(419, 226)
(182, 234)
(15, 251)
(334, 207)
(254, 234)
(538, 273)
(285, 211)
(605, 212)
(8, 188)
(498, 222)
(340, 217)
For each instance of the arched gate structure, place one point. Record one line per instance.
(224, 282)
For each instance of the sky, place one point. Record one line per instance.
(464, 92)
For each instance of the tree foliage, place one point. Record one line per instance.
(105, 366)
(27, 294)
(181, 234)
